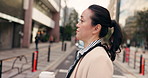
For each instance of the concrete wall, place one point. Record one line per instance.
(6, 34)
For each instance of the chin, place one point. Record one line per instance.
(78, 37)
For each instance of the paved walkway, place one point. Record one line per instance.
(22, 67)
(128, 67)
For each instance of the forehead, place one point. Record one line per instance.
(86, 14)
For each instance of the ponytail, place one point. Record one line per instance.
(115, 39)
(102, 16)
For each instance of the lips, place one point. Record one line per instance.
(77, 30)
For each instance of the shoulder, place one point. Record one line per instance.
(99, 56)
(98, 59)
(99, 49)
(97, 53)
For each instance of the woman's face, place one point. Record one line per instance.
(84, 27)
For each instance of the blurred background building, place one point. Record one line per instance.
(113, 9)
(133, 19)
(129, 13)
(22, 20)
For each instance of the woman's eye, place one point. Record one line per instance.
(81, 21)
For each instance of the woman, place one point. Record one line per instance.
(95, 60)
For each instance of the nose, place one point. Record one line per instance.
(77, 25)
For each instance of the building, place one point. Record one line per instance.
(114, 9)
(128, 8)
(20, 21)
(65, 13)
(130, 27)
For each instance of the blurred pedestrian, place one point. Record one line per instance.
(36, 41)
(95, 60)
(51, 39)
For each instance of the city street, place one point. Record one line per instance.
(60, 61)
(42, 36)
(56, 57)
(62, 69)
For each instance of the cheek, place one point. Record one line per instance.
(81, 33)
(85, 31)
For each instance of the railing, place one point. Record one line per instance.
(14, 65)
(18, 63)
(136, 59)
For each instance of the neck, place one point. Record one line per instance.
(87, 42)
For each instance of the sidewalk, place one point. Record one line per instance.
(128, 68)
(56, 57)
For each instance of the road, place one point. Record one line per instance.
(62, 69)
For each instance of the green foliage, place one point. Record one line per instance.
(66, 32)
(62, 33)
(45, 38)
(69, 29)
(141, 26)
(124, 36)
(142, 22)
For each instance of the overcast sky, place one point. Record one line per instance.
(81, 5)
(128, 7)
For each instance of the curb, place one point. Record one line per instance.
(52, 66)
(60, 60)
(123, 68)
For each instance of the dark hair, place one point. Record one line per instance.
(101, 16)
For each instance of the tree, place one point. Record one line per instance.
(69, 29)
(142, 25)
(73, 20)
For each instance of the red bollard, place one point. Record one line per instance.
(34, 61)
(142, 65)
(127, 54)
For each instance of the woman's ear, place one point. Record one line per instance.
(97, 29)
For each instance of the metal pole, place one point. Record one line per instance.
(118, 10)
(48, 58)
(140, 64)
(65, 46)
(135, 59)
(123, 56)
(62, 46)
(0, 68)
(32, 61)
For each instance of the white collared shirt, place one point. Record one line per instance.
(82, 51)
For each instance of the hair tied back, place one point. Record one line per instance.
(113, 23)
